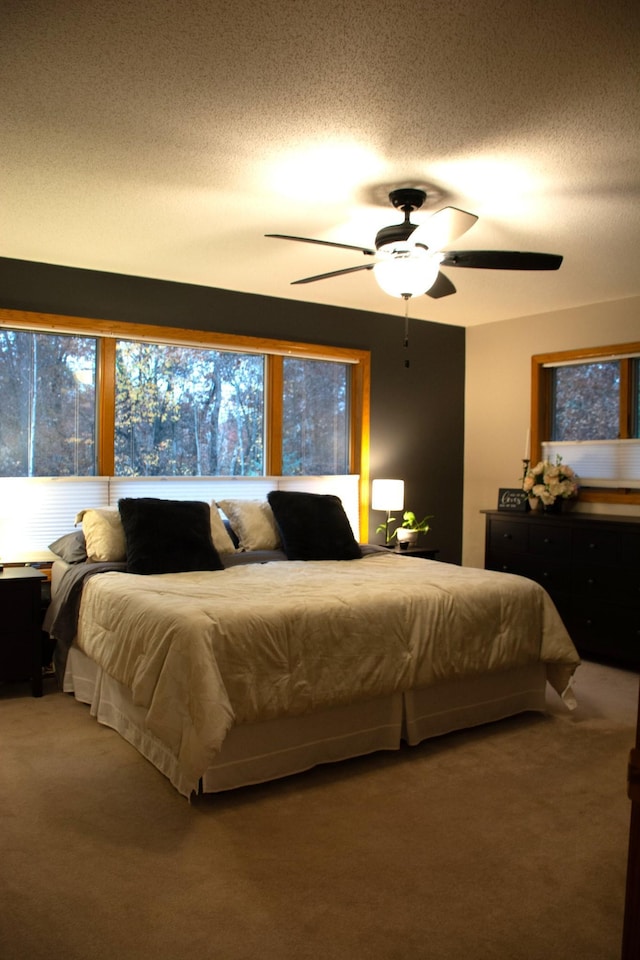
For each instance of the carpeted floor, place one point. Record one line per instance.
(502, 843)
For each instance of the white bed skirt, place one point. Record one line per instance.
(261, 752)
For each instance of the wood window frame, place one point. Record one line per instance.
(107, 332)
(541, 404)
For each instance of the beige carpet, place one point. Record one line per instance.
(507, 842)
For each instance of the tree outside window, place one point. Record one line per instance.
(48, 422)
(186, 411)
(315, 436)
(167, 409)
(586, 401)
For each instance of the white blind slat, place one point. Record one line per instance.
(191, 488)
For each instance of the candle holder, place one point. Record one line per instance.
(525, 467)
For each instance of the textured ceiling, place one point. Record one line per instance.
(164, 139)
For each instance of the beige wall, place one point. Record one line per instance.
(498, 388)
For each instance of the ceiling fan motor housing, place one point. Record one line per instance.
(396, 233)
(406, 199)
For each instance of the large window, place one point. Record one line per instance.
(586, 408)
(48, 413)
(585, 401)
(315, 409)
(83, 398)
(187, 411)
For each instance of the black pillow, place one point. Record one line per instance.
(313, 526)
(167, 536)
(71, 547)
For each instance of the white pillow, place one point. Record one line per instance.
(219, 533)
(103, 534)
(253, 523)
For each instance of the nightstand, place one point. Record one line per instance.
(423, 553)
(21, 626)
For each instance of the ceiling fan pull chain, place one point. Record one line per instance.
(406, 299)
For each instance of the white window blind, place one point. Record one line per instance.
(581, 361)
(599, 463)
(35, 511)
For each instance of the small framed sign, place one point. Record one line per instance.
(513, 498)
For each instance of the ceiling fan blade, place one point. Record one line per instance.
(501, 260)
(323, 243)
(441, 288)
(334, 273)
(443, 227)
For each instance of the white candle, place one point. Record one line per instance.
(527, 445)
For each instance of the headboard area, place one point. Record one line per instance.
(35, 511)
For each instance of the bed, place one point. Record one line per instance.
(294, 646)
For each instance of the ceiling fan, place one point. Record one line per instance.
(409, 256)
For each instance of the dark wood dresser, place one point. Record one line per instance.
(590, 566)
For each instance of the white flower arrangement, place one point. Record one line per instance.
(547, 481)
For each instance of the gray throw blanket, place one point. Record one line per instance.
(61, 618)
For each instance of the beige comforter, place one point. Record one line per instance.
(203, 651)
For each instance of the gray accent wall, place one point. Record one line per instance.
(417, 413)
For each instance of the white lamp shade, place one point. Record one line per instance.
(408, 273)
(387, 495)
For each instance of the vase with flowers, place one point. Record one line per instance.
(550, 484)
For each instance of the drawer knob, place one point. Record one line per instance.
(506, 536)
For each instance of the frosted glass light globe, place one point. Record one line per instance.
(406, 271)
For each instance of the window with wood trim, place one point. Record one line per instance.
(48, 390)
(586, 409)
(85, 397)
(188, 411)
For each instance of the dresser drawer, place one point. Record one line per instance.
(619, 584)
(507, 537)
(508, 563)
(605, 629)
(554, 575)
(609, 547)
(549, 539)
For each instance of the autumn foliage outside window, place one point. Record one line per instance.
(177, 410)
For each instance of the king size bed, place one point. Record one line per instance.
(272, 654)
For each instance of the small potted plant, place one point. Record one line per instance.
(407, 534)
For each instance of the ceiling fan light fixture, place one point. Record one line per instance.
(406, 273)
